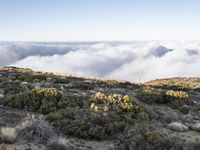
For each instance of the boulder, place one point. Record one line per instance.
(24, 83)
(178, 127)
(1, 96)
(196, 127)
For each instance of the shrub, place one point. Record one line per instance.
(184, 109)
(26, 78)
(35, 130)
(149, 138)
(42, 99)
(179, 95)
(2, 147)
(8, 134)
(176, 98)
(32, 77)
(117, 102)
(179, 85)
(40, 76)
(99, 117)
(11, 87)
(61, 80)
(60, 144)
(151, 95)
(3, 79)
(83, 85)
(71, 101)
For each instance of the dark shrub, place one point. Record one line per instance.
(149, 138)
(42, 99)
(184, 109)
(99, 117)
(151, 95)
(11, 87)
(83, 85)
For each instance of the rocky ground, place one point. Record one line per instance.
(163, 121)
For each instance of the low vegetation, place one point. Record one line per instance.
(8, 134)
(100, 116)
(43, 99)
(175, 99)
(151, 95)
(177, 84)
(149, 138)
(121, 114)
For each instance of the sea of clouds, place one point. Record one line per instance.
(134, 61)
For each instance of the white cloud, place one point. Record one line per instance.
(134, 61)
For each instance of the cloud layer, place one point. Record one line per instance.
(134, 61)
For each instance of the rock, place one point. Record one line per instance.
(100, 89)
(38, 84)
(69, 85)
(1, 96)
(179, 127)
(48, 84)
(196, 127)
(36, 80)
(49, 79)
(24, 83)
(92, 91)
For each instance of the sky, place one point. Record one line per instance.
(99, 20)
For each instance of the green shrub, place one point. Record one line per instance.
(71, 101)
(149, 138)
(43, 99)
(99, 117)
(3, 79)
(60, 80)
(176, 98)
(11, 87)
(83, 85)
(40, 76)
(179, 85)
(32, 77)
(151, 95)
(25, 78)
(184, 109)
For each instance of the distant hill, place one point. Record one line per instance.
(188, 83)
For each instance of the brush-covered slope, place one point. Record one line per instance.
(41, 110)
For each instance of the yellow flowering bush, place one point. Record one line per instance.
(111, 101)
(181, 95)
(176, 98)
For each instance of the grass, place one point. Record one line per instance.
(8, 134)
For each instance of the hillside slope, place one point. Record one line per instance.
(41, 110)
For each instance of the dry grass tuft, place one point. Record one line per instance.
(8, 134)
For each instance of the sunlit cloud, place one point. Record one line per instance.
(133, 61)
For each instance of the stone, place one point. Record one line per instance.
(24, 83)
(179, 127)
(1, 97)
(196, 127)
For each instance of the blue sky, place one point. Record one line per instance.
(94, 20)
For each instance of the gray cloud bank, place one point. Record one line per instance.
(133, 61)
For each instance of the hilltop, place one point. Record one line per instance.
(42, 110)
